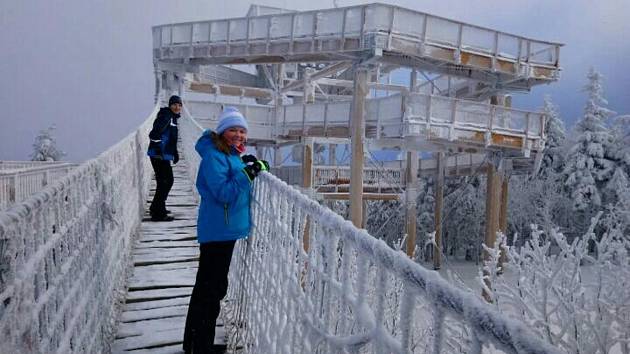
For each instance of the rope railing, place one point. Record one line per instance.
(308, 281)
(65, 252)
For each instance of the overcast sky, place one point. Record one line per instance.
(86, 65)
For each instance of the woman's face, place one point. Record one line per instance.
(235, 136)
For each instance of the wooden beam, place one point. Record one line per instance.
(439, 206)
(357, 139)
(230, 90)
(365, 196)
(349, 84)
(329, 70)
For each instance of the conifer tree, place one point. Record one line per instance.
(45, 146)
(590, 162)
(554, 127)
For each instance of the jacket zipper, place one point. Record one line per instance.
(225, 209)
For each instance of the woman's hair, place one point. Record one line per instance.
(220, 143)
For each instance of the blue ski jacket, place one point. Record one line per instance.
(163, 136)
(225, 188)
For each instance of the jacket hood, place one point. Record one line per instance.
(205, 143)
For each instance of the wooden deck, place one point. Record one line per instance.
(165, 260)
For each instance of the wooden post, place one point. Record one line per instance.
(277, 156)
(260, 152)
(492, 217)
(503, 218)
(13, 189)
(180, 84)
(307, 183)
(356, 138)
(439, 206)
(410, 200)
(332, 154)
(411, 179)
(309, 87)
(158, 84)
(307, 164)
(365, 214)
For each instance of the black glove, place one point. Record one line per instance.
(249, 158)
(254, 169)
(175, 158)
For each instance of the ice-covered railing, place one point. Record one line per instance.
(358, 22)
(428, 116)
(19, 165)
(307, 281)
(26, 178)
(456, 119)
(65, 251)
(339, 174)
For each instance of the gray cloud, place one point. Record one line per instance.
(86, 65)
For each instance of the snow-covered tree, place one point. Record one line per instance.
(45, 146)
(425, 220)
(590, 163)
(576, 300)
(553, 157)
(621, 142)
(463, 216)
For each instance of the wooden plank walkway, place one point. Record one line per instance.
(165, 260)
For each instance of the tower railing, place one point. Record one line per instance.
(24, 179)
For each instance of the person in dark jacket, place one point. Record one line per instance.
(224, 182)
(163, 150)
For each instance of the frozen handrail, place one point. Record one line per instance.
(357, 22)
(26, 179)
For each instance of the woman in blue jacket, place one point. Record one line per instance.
(224, 183)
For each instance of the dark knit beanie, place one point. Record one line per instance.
(174, 99)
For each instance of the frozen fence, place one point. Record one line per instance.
(19, 180)
(65, 250)
(307, 281)
(400, 115)
(6, 165)
(340, 175)
(355, 23)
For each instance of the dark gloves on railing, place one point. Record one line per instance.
(254, 169)
(249, 158)
(176, 158)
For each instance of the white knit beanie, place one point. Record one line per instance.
(231, 117)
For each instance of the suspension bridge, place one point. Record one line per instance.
(84, 271)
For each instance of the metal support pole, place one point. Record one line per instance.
(356, 137)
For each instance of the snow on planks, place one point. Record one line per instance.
(165, 264)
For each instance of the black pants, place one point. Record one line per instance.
(205, 303)
(164, 182)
